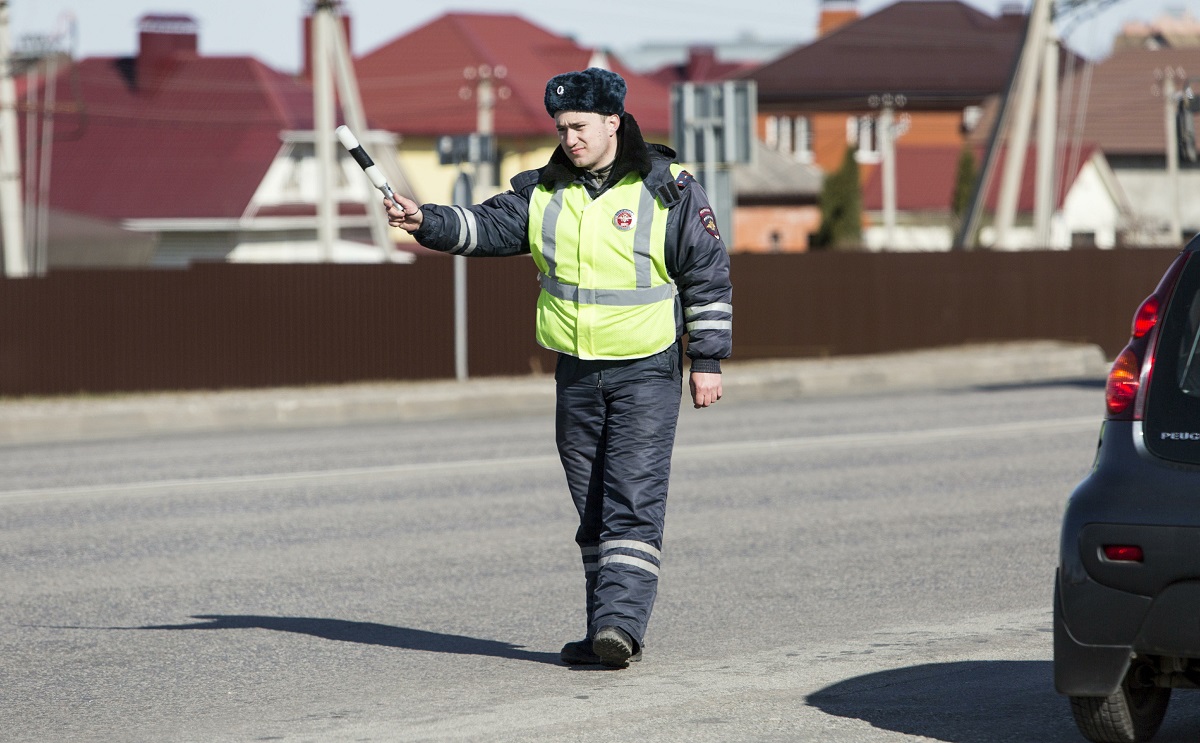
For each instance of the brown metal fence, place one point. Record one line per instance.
(856, 303)
(218, 326)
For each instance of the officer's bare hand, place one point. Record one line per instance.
(404, 213)
(706, 388)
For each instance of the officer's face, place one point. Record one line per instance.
(588, 139)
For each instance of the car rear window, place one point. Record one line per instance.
(1172, 417)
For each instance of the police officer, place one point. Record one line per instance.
(630, 260)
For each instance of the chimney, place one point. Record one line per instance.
(162, 41)
(307, 72)
(702, 60)
(835, 14)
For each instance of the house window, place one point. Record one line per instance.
(971, 117)
(861, 132)
(803, 140)
(771, 135)
(792, 136)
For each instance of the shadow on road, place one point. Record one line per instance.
(979, 702)
(367, 633)
(1081, 383)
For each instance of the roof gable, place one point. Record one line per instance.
(936, 52)
(415, 84)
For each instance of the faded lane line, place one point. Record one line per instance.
(886, 438)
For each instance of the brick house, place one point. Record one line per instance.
(205, 158)
(427, 84)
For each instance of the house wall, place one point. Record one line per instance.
(829, 131)
(1089, 209)
(1090, 217)
(1150, 196)
(774, 229)
(434, 183)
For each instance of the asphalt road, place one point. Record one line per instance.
(860, 568)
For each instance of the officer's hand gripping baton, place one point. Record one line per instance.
(350, 142)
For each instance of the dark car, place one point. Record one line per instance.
(1127, 593)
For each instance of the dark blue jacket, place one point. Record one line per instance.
(695, 254)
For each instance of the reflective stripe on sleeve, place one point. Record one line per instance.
(468, 231)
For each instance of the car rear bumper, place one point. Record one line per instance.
(1108, 611)
(1119, 626)
(1120, 609)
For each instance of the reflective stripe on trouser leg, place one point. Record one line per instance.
(615, 430)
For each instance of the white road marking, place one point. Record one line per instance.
(802, 443)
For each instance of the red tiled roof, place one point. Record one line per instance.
(415, 84)
(925, 179)
(940, 51)
(193, 142)
(1125, 105)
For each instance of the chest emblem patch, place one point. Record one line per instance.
(623, 220)
(710, 222)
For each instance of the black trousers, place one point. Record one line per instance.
(615, 429)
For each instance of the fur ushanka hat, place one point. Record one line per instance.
(593, 90)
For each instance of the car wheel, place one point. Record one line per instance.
(1130, 714)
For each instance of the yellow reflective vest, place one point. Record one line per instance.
(606, 293)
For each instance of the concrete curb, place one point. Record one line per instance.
(965, 366)
(26, 421)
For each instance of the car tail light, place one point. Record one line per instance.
(1129, 378)
(1121, 390)
(1124, 553)
(1146, 317)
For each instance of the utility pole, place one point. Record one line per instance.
(887, 152)
(485, 105)
(462, 197)
(479, 150)
(1032, 55)
(323, 125)
(356, 118)
(40, 239)
(889, 131)
(16, 261)
(1047, 143)
(334, 81)
(1170, 106)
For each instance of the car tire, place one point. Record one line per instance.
(1131, 714)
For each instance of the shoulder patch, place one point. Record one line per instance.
(709, 220)
(684, 179)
